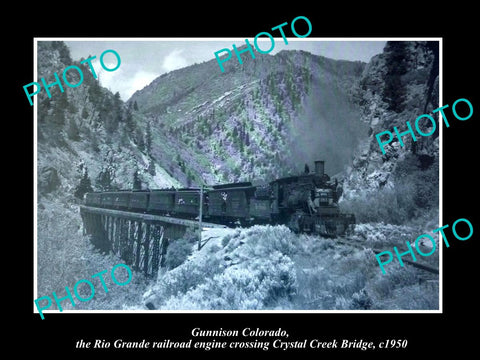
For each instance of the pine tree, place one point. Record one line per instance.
(58, 116)
(94, 143)
(117, 101)
(84, 113)
(84, 186)
(394, 91)
(137, 183)
(124, 137)
(95, 92)
(60, 105)
(129, 122)
(139, 140)
(105, 179)
(148, 139)
(151, 167)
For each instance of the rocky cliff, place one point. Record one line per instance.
(397, 86)
(88, 132)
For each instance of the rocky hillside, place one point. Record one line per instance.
(88, 139)
(256, 121)
(88, 133)
(396, 86)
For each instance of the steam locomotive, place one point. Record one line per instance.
(305, 203)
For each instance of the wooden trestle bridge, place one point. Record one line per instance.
(141, 240)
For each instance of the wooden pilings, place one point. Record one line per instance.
(140, 243)
(141, 240)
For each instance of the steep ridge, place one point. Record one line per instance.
(87, 139)
(259, 120)
(394, 197)
(397, 86)
(256, 121)
(88, 132)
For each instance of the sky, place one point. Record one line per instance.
(143, 60)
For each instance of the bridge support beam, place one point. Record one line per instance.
(141, 240)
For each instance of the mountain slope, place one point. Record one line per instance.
(397, 86)
(88, 139)
(257, 121)
(88, 128)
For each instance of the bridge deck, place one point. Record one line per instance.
(148, 217)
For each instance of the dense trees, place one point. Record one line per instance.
(394, 91)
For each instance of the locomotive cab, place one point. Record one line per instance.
(308, 203)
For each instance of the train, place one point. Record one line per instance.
(306, 203)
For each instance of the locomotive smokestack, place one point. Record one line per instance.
(319, 167)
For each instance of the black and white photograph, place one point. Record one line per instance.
(276, 159)
(267, 184)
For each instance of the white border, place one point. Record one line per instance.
(307, 39)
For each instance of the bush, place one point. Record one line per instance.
(415, 189)
(84, 186)
(361, 300)
(389, 205)
(177, 252)
(73, 132)
(248, 269)
(260, 284)
(269, 267)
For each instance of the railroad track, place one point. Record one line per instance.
(416, 264)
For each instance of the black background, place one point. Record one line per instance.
(427, 334)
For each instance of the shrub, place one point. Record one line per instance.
(178, 251)
(269, 267)
(389, 205)
(259, 284)
(250, 270)
(361, 300)
(415, 190)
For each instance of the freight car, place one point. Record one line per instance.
(305, 203)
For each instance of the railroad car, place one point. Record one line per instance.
(187, 203)
(93, 199)
(260, 210)
(121, 199)
(230, 203)
(162, 201)
(139, 200)
(305, 203)
(107, 199)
